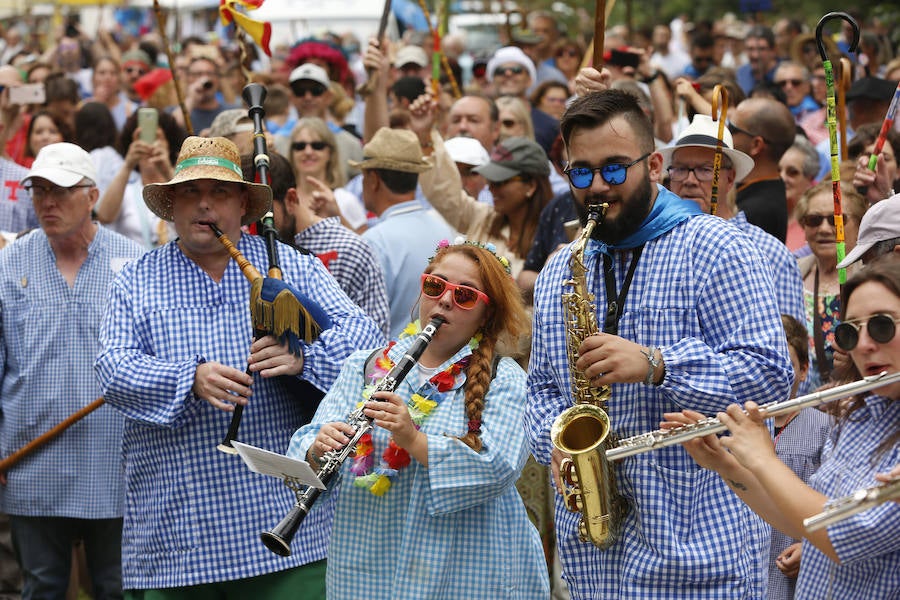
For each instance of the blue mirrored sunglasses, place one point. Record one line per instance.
(613, 174)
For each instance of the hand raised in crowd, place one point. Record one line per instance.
(270, 358)
(221, 385)
(591, 80)
(877, 184)
(689, 91)
(377, 60)
(423, 114)
(788, 562)
(323, 202)
(606, 358)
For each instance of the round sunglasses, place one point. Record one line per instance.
(613, 174)
(881, 328)
(464, 296)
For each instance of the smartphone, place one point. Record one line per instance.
(29, 93)
(147, 121)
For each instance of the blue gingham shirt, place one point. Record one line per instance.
(194, 514)
(798, 445)
(353, 264)
(48, 340)
(456, 529)
(786, 273)
(16, 210)
(702, 292)
(868, 543)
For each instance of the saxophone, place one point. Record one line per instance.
(583, 430)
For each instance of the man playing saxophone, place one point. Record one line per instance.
(685, 307)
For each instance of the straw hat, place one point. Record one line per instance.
(208, 158)
(394, 150)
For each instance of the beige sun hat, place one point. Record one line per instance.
(208, 158)
(395, 150)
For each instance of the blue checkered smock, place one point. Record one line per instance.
(193, 514)
(48, 341)
(868, 543)
(704, 294)
(454, 530)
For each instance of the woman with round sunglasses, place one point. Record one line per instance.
(858, 557)
(821, 289)
(428, 508)
(320, 174)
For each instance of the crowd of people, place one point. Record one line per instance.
(713, 283)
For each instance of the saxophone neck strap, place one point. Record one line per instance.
(615, 303)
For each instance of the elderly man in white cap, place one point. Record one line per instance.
(175, 343)
(54, 285)
(879, 233)
(689, 164)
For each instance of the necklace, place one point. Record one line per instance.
(377, 479)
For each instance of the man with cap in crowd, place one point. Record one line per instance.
(689, 164)
(412, 61)
(236, 126)
(879, 233)
(312, 96)
(348, 257)
(468, 154)
(135, 64)
(406, 233)
(763, 129)
(54, 285)
(512, 74)
(175, 342)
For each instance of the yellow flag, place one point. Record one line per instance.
(260, 31)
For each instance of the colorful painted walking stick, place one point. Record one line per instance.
(831, 117)
(886, 126)
(719, 113)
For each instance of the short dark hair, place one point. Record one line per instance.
(94, 126)
(598, 108)
(281, 174)
(762, 32)
(797, 338)
(408, 87)
(59, 87)
(399, 182)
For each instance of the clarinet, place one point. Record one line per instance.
(278, 540)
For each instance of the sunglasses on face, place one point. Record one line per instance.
(570, 53)
(464, 297)
(301, 146)
(508, 123)
(614, 174)
(516, 70)
(302, 90)
(790, 82)
(814, 221)
(881, 328)
(734, 129)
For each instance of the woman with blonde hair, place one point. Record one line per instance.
(320, 172)
(515, 118)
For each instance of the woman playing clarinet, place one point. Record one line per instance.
(427, 506)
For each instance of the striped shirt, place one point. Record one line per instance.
(702, 292)
(193, 514)
(455, 529)
(868, 544)
(353, 262)
(49, 341)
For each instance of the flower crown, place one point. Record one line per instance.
(463, 241)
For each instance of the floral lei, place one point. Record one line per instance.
(395, 458)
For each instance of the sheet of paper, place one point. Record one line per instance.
(277, 465)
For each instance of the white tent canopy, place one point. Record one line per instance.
(296, 19)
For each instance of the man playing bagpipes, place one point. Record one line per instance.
(175, 344)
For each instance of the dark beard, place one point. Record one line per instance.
(635, 209)
(286, 231)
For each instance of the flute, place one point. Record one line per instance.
(662, 438)
(857, 502)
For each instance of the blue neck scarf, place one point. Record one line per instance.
(668, 212)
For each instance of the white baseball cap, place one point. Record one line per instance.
(467, 151)
(64, 164)
(880, 223)
(411, 54)
(311, 72)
